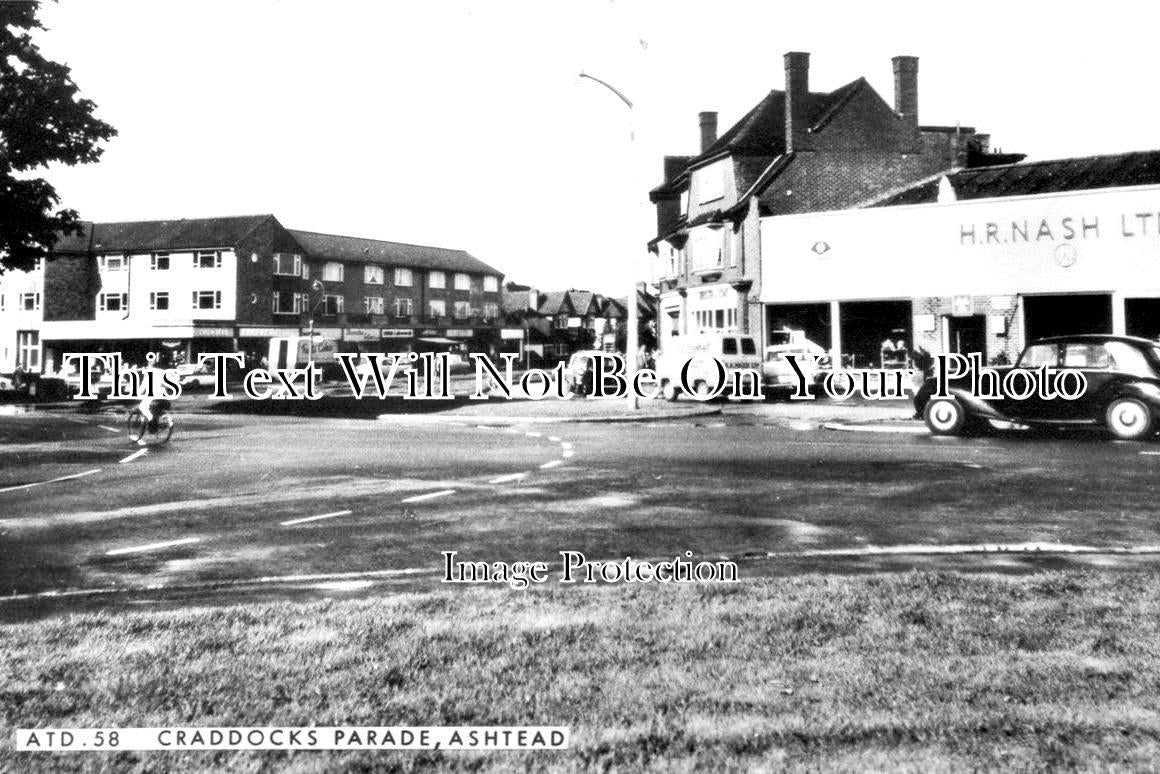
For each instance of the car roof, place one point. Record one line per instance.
(1096, 338)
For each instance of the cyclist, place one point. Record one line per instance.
(150, 407)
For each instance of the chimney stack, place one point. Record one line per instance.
(708, 129)
(906, 87)
(797, 86)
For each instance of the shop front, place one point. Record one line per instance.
(984, 275)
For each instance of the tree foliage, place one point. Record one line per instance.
(43, 120)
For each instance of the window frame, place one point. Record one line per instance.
(369, 269)
(466, 281)
(156, 296)
(442, 275)
(214, 255)
(155, 260)
(197, 298)
(404, 273)
(122, 301)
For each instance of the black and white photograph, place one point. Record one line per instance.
(592, 385)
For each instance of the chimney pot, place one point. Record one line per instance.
(708, 121)
(797, 86)
(906, 87)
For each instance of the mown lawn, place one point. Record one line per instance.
(925, 671)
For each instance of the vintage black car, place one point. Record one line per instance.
(1122, 390)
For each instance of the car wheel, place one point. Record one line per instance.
(669, 391)
(945, 416)
(1128, 419)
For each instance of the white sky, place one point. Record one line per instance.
(463, 124)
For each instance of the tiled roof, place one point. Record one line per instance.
(581, 300)
(344, 248)
(1028, 178)
(161, 235)
(761, 131)
(555, 302)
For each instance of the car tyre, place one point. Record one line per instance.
(669, 391)
(1128, 419)
(945, 416)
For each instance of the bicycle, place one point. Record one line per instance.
(139, 427)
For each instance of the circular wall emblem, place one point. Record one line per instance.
(1066, 255)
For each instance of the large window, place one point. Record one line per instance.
(403, 307)
(490, 284)
(704, 249)
(373, 305)
(112, 262)
(437, 279)
(332, 271)
(462, 282)
(207, 259)
(113, 302)
(288, 264)
(373, 275)
(403, 277)
(29, 302)
(28, 349)
(332, 304)
(207, 299)
(159, 262)
(287, 302)
(159, 302)
(437, 308)
(491, 311)
(462, 310)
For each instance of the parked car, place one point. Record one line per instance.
(1122, 392)
(736, 353)
(192, 376)
(777, 374)
(579, 375)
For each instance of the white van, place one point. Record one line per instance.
(737, 353)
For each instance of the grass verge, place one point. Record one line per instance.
(924, 671)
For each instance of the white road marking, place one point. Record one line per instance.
(133, 456)
(553, 439)
(565, 445)
(428, 496)
(151, 547)
(978, 548)
(552, 464)
(240, 583)
(51, 480)
(507, 478)
(74, 420)
(567, 453)
(292, 522)
(110, 429)
(1151, 454)
(532, 434)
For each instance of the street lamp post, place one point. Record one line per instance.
(631, 341)
(316, 285)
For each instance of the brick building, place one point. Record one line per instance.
(233, 283)
(978, 260)
(796, 151)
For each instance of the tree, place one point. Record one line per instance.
(43, 120)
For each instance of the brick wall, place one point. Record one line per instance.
(992, 307)
(256, 280)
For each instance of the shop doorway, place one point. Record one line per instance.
(968, 334)
(1067, 315)
(1142, 317)
(814, 319)
(866, 325)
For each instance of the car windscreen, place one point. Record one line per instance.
(748, 347)
(728, 346)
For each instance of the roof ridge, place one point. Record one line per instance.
(1122, 154)
(179, 220)
(373, 239)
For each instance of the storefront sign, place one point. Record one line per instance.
(398, 333)
(217, 333)
(460, 333)
(511, 333)
(360, 334)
